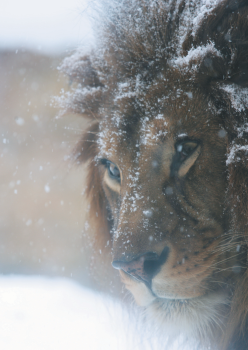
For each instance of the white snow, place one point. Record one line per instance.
(182, 135)
(192, 17)
(195, 54)
(203, 9)
(49, 314)
(232, 154)
(19, 121)
(47, 188)
(238, 96)
(243, 128)
(124, 91)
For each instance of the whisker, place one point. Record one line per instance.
(230, 257)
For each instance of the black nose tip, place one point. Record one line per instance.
(143, 267)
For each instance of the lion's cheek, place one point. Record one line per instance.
(140, 292)
(181, 287)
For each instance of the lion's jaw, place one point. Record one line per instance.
(201, 318)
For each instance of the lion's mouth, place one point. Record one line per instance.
(148, 285)
(146, 293)
(213, 298)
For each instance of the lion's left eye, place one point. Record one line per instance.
(185, 149)
(113, 170)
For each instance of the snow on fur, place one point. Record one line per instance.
(238, 97)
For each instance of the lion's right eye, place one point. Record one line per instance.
(112, 175)
(113, 171)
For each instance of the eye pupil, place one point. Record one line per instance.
(185, 149)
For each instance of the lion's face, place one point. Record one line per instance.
(165, 178)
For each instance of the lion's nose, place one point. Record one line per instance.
(145, 266)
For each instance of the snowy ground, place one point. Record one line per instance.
(42, 314)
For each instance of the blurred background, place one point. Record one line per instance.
(42, 208)
(43, 223)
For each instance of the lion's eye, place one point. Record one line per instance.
(113, 170)
(185, 149)
(187, 152)
(112, 175)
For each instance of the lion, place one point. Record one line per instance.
(165, 91)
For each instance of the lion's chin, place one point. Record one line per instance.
(200, 316)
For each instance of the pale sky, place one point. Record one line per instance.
(46, 25)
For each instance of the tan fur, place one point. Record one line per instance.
(166, 93)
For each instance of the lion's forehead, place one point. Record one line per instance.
(154, 131)
(153, 121)
(149, 133)
(152, 141)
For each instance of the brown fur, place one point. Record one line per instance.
(140, 46)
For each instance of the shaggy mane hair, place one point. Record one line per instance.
(203, 42)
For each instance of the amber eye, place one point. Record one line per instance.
(113, 171)
(185, 149)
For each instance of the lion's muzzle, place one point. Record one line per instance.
(143, 267)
